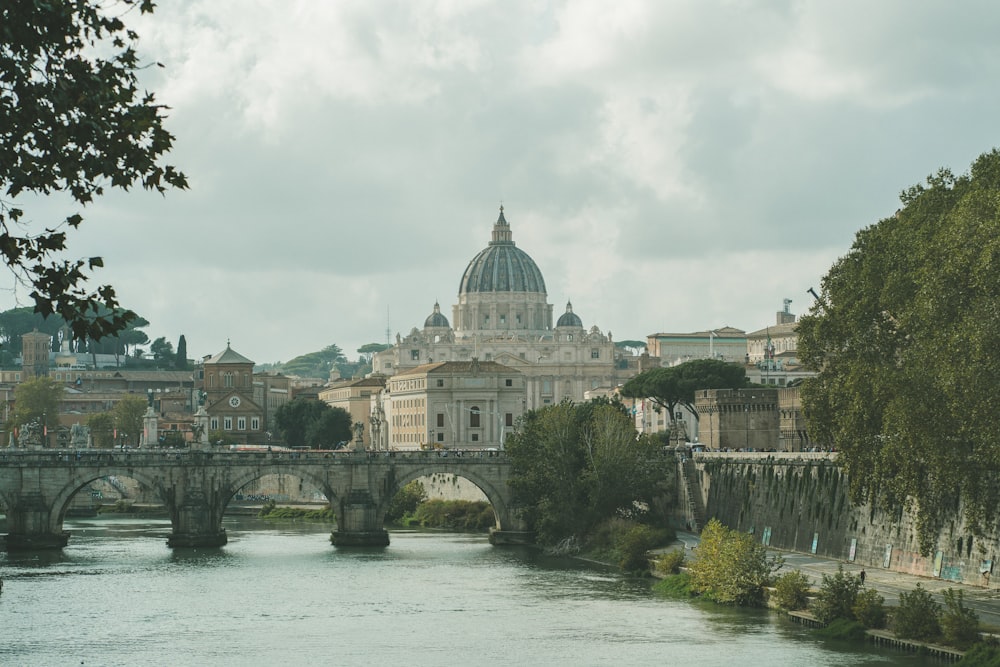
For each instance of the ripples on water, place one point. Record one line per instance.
(279, 594)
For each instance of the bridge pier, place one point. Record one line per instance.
(30, 524)
(195, 502)
(519, 538)
(359, 523)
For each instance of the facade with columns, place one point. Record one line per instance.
(503, 315)
(453, 405)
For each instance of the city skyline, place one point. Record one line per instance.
(669, 166)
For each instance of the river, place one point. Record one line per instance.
(279, 594)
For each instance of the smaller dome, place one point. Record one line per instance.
(569, 318)
(436, 319)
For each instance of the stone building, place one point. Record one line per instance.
(227, 383)
(357, 398)
(35, 349)
(453, 405)
(503, 316)
(738, 419)
(725, 344)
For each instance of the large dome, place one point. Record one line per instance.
(502, 267)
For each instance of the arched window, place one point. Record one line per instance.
(474, 417)
(228, 379)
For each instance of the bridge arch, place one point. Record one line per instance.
(80, 477)
(305, 473)
(493, 488)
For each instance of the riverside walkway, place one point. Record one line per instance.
(889, 584)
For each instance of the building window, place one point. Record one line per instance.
(228, 379)
(214, 424)
(440, 437)
(474, 417)
(440, 420)
(475, 437)
(508, 382)
(241, 423)
(508, 419)
(227, 424)
(595, 353)
(440, 383)
(489, 357)
(255, 424)
(503, 319)
(486, 319)
(414, 354)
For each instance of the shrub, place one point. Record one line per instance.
(406, 501)
(869, 608)
(917, 615)
(634, 546)
(731, 568)
(836, 597)
(981, 655)
(959, 624)
(791, 591)
(455, 515)
(670, 562)
(842, 628)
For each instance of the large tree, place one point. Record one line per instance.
(128, 414)
(676, 385)
(576, 465)
(905, 335)
(315, 364)
(310, 423)
(36, 405)
(73, 120)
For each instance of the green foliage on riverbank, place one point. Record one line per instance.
(624, 543)
(837, 596)
(675, 586)
(405, 502)
(671, 562)
(128, 507)
(272, 512)
(791, 591)
(461, 515)
(575, 466)
(843, 628)
(981, 655)
(731, 568)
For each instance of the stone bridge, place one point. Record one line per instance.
(36, 487)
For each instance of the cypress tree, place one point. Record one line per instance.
(181, 358)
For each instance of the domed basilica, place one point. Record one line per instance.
(503, 315)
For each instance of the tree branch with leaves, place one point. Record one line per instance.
(72, 120)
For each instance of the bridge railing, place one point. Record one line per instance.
(11, 457)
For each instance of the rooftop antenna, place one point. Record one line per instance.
(388, 328)
(787, 303)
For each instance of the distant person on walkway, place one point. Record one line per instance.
(862, 576)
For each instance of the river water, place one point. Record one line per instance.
(279, 594)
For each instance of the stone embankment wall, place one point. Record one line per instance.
(799, 502)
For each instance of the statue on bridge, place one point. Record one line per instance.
(359, 436)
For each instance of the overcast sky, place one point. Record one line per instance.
(670, 166)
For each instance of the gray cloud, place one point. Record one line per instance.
(669, 166)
